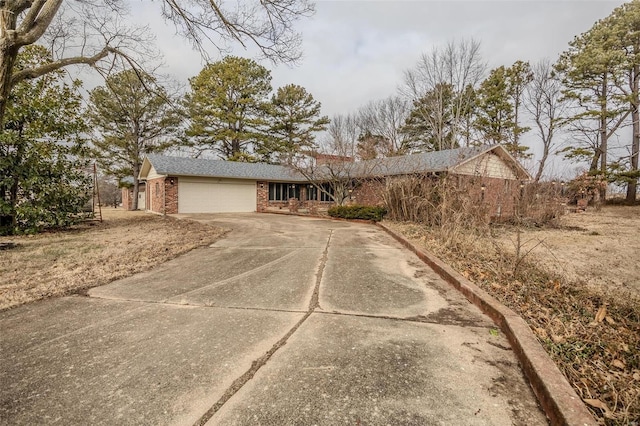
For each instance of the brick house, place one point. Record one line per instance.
(127, 194)
(186, 185)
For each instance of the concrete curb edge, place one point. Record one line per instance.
(557, 398)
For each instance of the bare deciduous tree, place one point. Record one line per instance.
(545, 103)
(445, 76)
(331, 167)
(343, 133)
(383, 120)
(89, 31)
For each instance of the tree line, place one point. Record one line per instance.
(575, 106)
(45, 132)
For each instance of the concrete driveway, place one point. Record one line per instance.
(286, 321)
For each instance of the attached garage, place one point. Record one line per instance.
(199, 195)
(198, 185)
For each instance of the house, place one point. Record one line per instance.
(186, 185)
(126, 186)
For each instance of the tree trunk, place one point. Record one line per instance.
(136, 187)
(235, 147)
(603, 136)
(8, 55)
(543, 162)
(594, 161)
(603, 128)
(516, 127)
(635, 144)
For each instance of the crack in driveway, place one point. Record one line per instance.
(258, 363)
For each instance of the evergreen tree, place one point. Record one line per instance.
(519, 76)
(495, 120)
(294, 117)
(441, 89)
(498, 106)
(430, 124)
(590, 74)
(134, 117)
(369, 145)
(624, 24)
(228, 108)
(42, 174)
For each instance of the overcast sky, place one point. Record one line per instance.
(356, 51)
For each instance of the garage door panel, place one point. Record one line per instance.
(216, 196)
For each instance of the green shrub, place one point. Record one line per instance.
(374, 213)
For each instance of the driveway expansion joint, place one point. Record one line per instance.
(258, 363)
(242, 275)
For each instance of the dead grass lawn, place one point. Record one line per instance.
(597, 248)
(93, 253)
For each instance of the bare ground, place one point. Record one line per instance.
(93, 253)
(578, 289)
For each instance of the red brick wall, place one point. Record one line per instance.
(368, 193)
(262, 196)
(162, 195)
(171, 195)
(500, 195)
(127, 197)
(155, 198)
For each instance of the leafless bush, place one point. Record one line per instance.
(541, 203)
(438, 203)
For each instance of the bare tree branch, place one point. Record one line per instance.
(56, 65)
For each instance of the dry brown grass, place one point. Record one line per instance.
(597, 248)
(93, 253)
(591, 330)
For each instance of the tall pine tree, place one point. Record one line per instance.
(294, 117)
(228, 108)
(133, 116)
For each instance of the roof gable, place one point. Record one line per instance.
(508, 161)
(436, 161)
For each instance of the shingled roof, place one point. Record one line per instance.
(426, 162)
(181, 166)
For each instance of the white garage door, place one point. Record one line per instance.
(216, 196)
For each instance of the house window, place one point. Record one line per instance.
(157, 189)
(327, 192)
(312, 193)
(283, 191)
